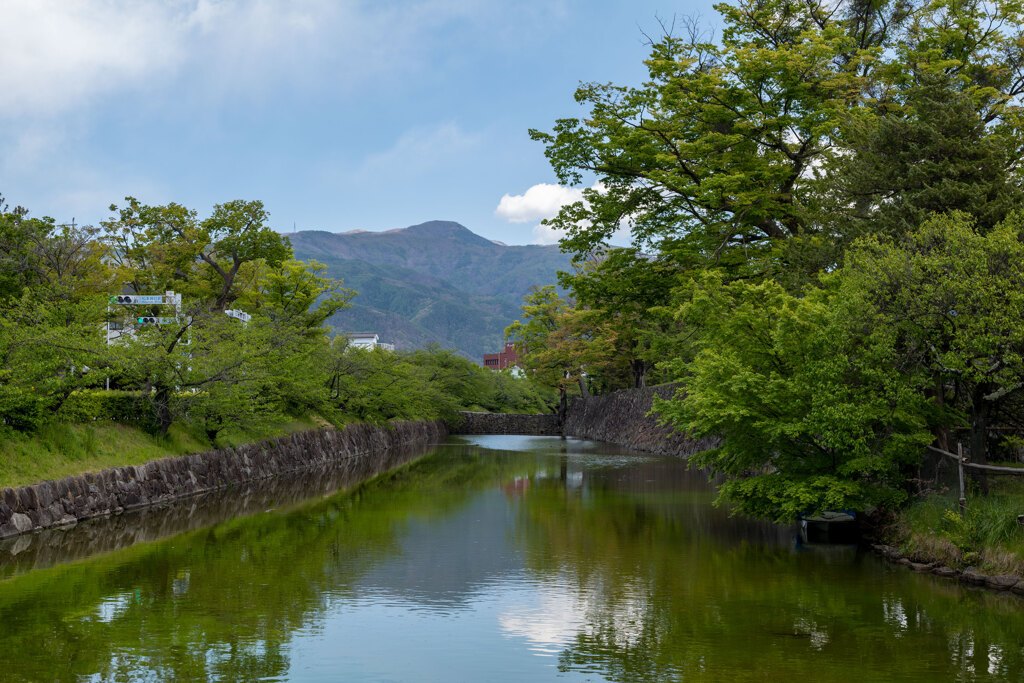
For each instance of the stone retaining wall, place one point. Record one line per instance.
(96, 494)
(507, 423)
(621, 418)
(971, 575)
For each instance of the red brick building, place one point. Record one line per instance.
(499, 361)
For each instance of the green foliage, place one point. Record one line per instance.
(760, 152)
(718, 147)
(88, 405)
(931, 152)
(157, 248)
(48, 349)
(831, 188)
(952, 299)
(624, 299)
(428, 384)
(823, 400)
(553, 343)
(813, 412)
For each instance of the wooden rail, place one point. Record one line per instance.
(975, 466)
(962, 462)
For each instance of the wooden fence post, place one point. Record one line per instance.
(960, 469)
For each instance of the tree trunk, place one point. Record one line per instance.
(639, 373)
(563, 405)
(161, 400)
(583, 387)
(980, 409)
(941, 433)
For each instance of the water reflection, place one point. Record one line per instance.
(484, 561)
(55, 546)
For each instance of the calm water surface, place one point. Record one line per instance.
(490, 558)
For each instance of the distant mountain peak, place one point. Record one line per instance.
(432, 282)
(445, 229)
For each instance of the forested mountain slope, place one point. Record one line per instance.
(433, 282)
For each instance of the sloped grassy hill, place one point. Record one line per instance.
(433, 282)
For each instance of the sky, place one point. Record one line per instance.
(338, 115)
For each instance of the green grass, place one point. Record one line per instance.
(60, 449)
(987, 536)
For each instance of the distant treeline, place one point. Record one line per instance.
(74, 348)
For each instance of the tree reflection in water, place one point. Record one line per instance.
(605, 565)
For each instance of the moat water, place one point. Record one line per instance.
(489, 558)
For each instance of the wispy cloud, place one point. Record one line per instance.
(57, 52)
(419, 149)
(62, 54)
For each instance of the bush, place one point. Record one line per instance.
(120, 406)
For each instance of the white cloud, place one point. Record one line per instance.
(545, 234)
(539, 202)
(57, 52)
(59, 55)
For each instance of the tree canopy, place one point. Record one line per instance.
(824, 207)
(65, 337)
(727, 148)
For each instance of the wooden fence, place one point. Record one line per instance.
(963, 461)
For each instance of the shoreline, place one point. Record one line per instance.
(971, 575)
(65, 502)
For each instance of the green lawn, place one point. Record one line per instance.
(987, 536)
(61, 449)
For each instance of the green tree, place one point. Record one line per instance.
(627, 296)
(726, 148)
(953, 299)
(52, 280)
(168, 247)
(823, 401)
(198, 363)
(549, 343)
(813, 405)
(375, 385)
(931, 152)
(48, 350)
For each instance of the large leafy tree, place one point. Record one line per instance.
(813, 407)
(931, 151)
(52, 280)
(197, 362)
(170, 247)
(953, 299)
(725, 148)
(824, 400)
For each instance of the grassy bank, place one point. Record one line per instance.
(988, 536)
(61, 449)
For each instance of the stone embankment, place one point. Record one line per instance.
(971, 575)
(621, 417)
(69, 500)
(507, 423)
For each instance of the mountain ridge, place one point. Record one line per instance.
(433, 282)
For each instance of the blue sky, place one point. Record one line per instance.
(337, 115)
